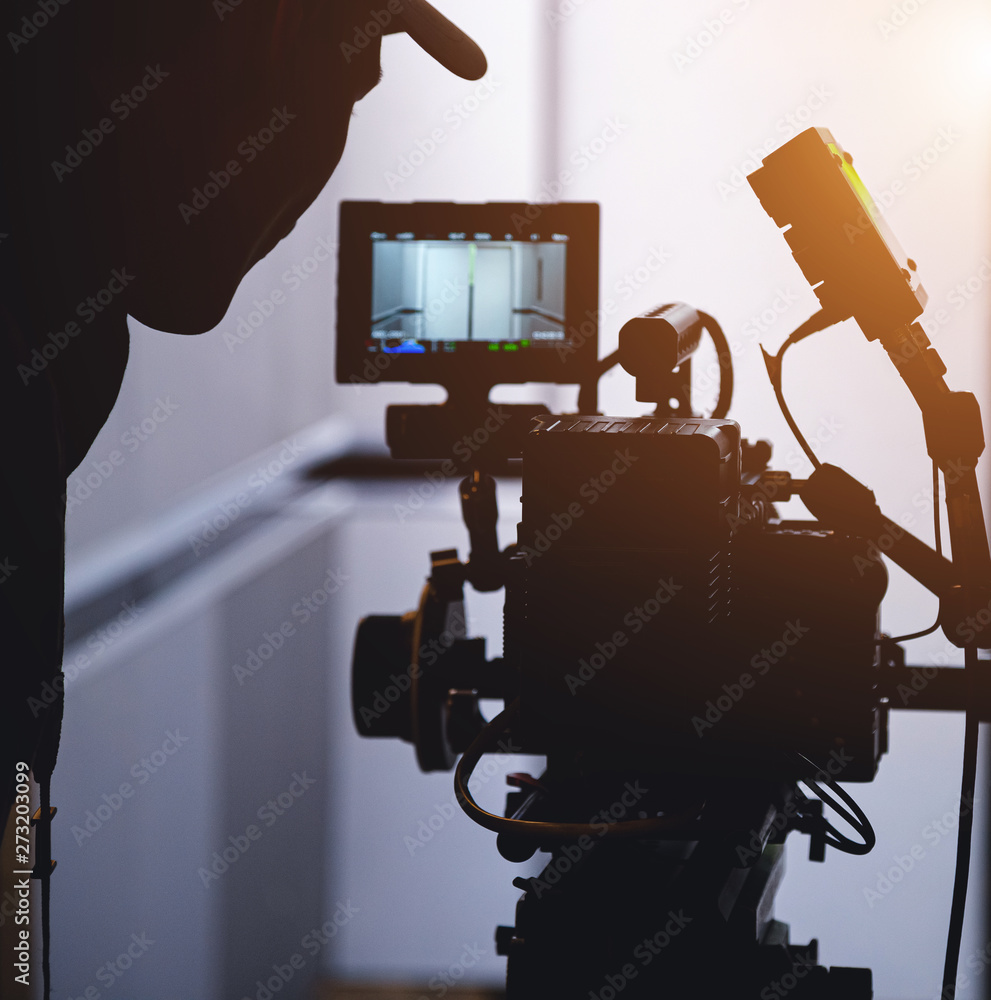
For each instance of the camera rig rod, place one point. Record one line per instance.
(955, 441)
(935, 689)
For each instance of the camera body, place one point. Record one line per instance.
(657, 612)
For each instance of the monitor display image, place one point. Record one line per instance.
(430, 292)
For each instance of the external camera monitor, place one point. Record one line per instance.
(457, 293)
(837, 234)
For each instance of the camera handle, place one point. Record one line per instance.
(486, 566)
(841, 502)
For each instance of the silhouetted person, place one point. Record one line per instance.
(154, 150)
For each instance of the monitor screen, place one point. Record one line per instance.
(498, 293)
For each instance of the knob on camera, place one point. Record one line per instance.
(381, 676)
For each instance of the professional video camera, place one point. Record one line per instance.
(683, 657)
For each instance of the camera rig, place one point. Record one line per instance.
(684, 658)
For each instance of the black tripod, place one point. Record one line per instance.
(673, 917)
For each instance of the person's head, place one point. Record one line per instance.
(240, 114)
(271, 97)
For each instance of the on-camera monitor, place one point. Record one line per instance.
(456, 293)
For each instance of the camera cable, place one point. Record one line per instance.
(486, 742)
(816, 322)
(588, 391)
(968, 785)
(855, 816)
(939, 551)
(725, 358)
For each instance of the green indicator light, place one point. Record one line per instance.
(510, 347)
(524, 343)
(493, 347)
(853, 178)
